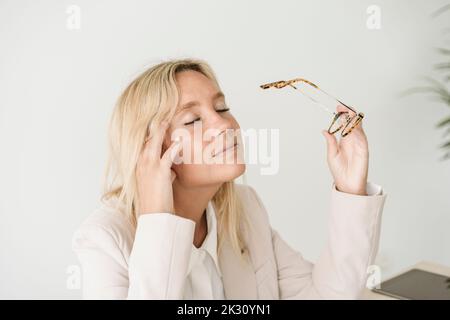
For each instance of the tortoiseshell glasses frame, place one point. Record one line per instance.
(341, 120)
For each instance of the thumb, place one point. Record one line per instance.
(171, 154)
(332, 146)
(173, 175)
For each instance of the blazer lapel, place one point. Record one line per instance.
(238, 277)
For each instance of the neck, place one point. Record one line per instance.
(191, 203)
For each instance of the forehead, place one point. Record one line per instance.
(193, 85)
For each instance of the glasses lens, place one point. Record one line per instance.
(351, 125)
(339, 122)
(317, 96)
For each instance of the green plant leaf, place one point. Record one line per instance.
(443, 51)
(443, 123)
(445, 145)
(438, 92)
(440, 11)
(446, 133)
(445, 156)
(442, 66)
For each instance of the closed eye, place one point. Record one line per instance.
(198, 119)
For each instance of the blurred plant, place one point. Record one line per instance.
(440, 89)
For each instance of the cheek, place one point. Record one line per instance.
(185, 136)
(234, 122)
(193, 175)
(197, 149)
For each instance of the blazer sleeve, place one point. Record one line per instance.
(341, 270)
(156, 268)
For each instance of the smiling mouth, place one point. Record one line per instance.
(224, 150)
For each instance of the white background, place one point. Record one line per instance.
(58, 87)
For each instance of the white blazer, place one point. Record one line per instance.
(151, 262)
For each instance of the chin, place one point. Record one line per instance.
(206, 175)
(228, 172)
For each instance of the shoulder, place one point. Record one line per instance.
(249, 196)
(106, 227)
(257, 230)
(253, 206)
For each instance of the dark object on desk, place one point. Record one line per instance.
(417, 285)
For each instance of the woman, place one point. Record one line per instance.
(171, 228)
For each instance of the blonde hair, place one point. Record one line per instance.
(149, 99)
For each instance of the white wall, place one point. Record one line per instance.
(58, 87)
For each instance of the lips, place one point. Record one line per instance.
(226, 148)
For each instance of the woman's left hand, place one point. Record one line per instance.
(348, 159)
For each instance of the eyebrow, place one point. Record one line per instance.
(194, 103)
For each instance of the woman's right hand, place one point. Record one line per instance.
(154, 174)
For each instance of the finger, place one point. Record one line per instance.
(171, 153)
(332, 145)
(358, 129)
(173, 175)
(145, 152)
(147, 136)
(157, 140)
(342, 108)
(361, 123)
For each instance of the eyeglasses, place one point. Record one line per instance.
(346, 120)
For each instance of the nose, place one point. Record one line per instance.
(221, 125)
(219, 122)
